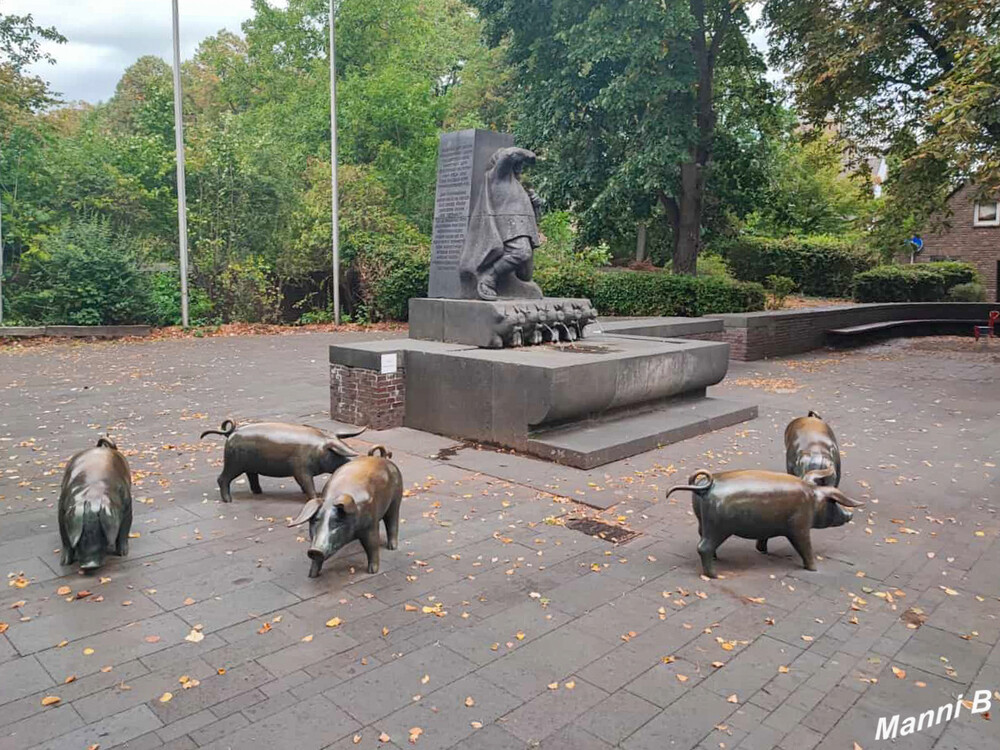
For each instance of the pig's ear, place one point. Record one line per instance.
(836, 496)
(341, 448)
(74, 525)
(310, 509)
(345, 504)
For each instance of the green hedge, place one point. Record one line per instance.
(821, 265)
(662, 293)
(388, 276)
(919, 282)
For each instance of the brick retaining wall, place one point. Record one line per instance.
(366, 397)
(760, 335)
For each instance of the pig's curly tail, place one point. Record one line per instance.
(227, 428)
(379, 450)
(693, 484)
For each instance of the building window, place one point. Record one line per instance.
(986, 214)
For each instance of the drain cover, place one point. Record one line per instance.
(605, 531)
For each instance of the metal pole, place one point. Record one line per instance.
(1, 244)
(335, 203)
(181, 190)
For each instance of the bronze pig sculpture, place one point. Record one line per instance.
(95, 506)
(812, 451)
(359, 495)
(760, 505)
(277, 449)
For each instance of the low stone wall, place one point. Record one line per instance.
(100, 332)
(778, 333)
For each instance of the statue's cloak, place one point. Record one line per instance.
(502, 212)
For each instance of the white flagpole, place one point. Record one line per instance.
(335, 203)
(181, 188)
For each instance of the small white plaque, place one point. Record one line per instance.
(389, 363)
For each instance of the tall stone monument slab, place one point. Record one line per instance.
(462, 156)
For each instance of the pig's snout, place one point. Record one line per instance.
(317, 558)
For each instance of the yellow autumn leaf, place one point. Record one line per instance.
(333, 622)
(166, 697)
(900, 673)
(51, 700)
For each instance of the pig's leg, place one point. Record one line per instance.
(68, 553)
(803, 545)
(305, 480)
(121, 547)
(254, 480)
(317, 565)
(706, 549)
(225, 479)
(370, 543)
(762, 545)
(392, 525)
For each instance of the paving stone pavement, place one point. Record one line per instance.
(495, 626)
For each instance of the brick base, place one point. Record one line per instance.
(366, 397)
(735, 337)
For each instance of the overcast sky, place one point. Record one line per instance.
(106, 36)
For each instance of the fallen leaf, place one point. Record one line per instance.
(63, 590)
(266, 627)
(166, 697)
(307, 638)
(900, 673)
(470, 702)
(88, 651)
(783, 670)
(384, 737)
(356, 739)
(682, 678)
(476, 724)
(410, 608)
(570, 685)
(152, 639)
(3, 627)
(68, 680)
(195, 636)
(105, 670)
(51, 700)
(733, 699)
(334, 622)
(188, 602)
(425, 679)
(553, 686)
(220, 670)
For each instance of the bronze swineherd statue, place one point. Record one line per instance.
(497, 260)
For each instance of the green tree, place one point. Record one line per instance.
(621, 97)
(916, 80)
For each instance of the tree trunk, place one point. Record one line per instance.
(688, 238)
(640, 243)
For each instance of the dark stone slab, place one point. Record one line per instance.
(488, 324)
(601, 441)
(462, 156)
(663, 328)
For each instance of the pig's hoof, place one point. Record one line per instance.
(373, 568)
(392, 544)
(811, 566)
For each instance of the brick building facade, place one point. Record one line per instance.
(973, 235)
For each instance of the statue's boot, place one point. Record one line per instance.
(487, 286)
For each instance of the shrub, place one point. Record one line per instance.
(820, 265)
(779, 287)
(713, 265)
(250, 292)
(662, 293)
(971, 292)
(562, 269)
(166, 298)
(388, 276)
(82, 274)
(919, 282)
